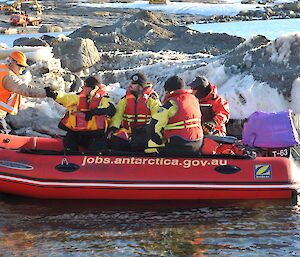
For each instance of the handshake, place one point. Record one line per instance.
(50, 93)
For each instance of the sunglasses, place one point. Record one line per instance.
(21, 66)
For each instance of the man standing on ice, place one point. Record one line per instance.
(12, 87)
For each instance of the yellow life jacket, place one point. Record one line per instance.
(74, 119)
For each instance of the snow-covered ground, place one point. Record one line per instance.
(229, 7)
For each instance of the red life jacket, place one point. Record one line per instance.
(137, 112)
(186, 123)
(75, 121)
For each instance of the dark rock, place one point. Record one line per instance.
(49, 28)
(76, 54)
(25, 41)
(48, 39)
(238, 56)
(84, 32)
(275, 62)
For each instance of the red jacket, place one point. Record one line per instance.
(218, 110)
(186, 123)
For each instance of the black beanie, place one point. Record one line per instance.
(139, 78)
(92, 82)
(174, 83)
(202, 85)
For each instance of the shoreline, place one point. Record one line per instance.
(70, 15)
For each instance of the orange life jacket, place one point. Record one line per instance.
(186, 123)
(9, 101)
(137, 112)
(75, 120)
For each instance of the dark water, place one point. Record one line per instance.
(116, 228)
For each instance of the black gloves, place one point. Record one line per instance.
(110, 132)
(209, 127)
(97, 111)
(151, 132)
(50, 93)
(156, 139)
(109, 111)
(89, 115)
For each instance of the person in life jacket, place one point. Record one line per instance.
(12, 87)
(134, 111)
(87, 117)
(176, 127)
(214, 108)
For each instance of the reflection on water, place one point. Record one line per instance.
(119, 228)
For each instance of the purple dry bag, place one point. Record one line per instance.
(271, 130)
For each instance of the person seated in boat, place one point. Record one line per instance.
(12, 87)
(214, 108)
(176, 127)
(134, 111)
(86, 119)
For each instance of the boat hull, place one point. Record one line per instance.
(135, 192)
(44, 174)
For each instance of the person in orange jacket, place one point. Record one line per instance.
(12, 87)
(214, 108)
(176, 127)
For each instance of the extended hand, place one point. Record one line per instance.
(156, 139)
(89, 115)
(110, 132)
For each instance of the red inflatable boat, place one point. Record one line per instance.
(38, 167)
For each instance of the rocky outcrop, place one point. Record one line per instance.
(278, 63)
(148, 31)
(274, 62)
(238, 56)
(49, 28)
(76, 54)
(25, 41)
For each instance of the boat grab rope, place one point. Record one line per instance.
(141, 185)
(295, 151)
